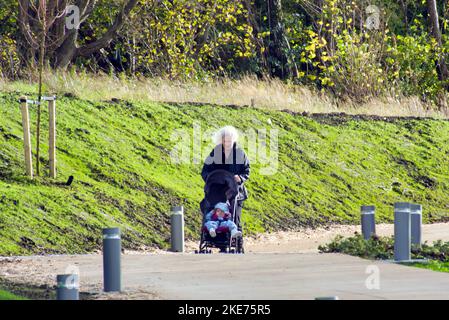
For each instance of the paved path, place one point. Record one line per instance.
(250, 276)
(279, 274)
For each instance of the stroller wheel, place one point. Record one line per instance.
(239, 245)
(203, 245)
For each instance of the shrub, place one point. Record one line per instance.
(383, 248)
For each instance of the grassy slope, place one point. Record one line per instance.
(4, 295)
(119, 154)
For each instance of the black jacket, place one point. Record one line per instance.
(237, 164)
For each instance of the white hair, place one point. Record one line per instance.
(228, 131)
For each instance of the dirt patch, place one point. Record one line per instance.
(414, 172)
(340, 118)
(35, 278)
(427, 182)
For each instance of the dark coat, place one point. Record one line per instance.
(237, 163)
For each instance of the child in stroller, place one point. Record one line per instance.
(221, 217)
(223, 193)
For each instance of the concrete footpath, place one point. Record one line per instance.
(278, 274)
(249, 276)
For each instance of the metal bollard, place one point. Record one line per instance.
(416, 223)
(327, 298)
(112, 250)
(67, 287)
(402, 231)
(177, 229)
(368, 221)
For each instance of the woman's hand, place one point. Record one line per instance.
(237, 179)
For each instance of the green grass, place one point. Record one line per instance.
(434, 265)
(9, 296)
(119, 154)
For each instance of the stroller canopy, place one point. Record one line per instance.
(220, 187)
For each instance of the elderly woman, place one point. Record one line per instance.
(228, 156)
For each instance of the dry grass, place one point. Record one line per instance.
(266, 94)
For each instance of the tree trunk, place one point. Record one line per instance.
(65, 54)
(259, 43)
(277, 49)
(62, 46)
(39, 108)
(436, 33)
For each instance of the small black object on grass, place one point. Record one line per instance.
(69, 181)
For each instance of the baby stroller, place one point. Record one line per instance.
(221, 187)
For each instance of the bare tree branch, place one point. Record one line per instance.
(106, 39)
(24, 24)
(45, 19)
(87, 10)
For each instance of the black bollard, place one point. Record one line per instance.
(67, 287)
(177, 229)
(402, 232)
(368, 221)
(327, 298)
(416, 223)
(111, 260)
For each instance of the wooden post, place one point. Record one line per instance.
(52, 137)
(26, 136)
